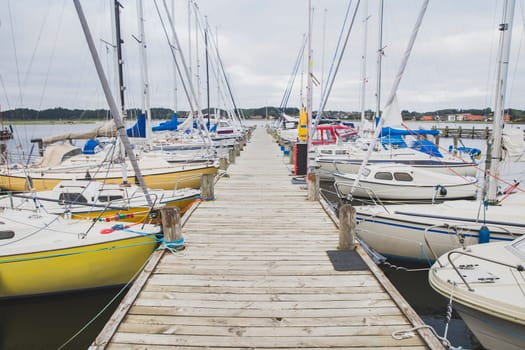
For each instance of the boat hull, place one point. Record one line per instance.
(424, 240)
(189, 177)
(72, 269)
(492, 332)
(135, 214)
(342, 166)
(404, 191)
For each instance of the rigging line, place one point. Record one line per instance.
(489, 86)
(31, 60)
(15, 52)
(203, 131)
(391, 97)
(520, 45)
(291, 81)
(120, 292)
(331, 75)
(226, 80)
(60, 19)
(334, 69)
(5, 92)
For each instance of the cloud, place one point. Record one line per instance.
(44, 61)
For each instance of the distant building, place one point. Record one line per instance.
(465, 117)
(427, 117)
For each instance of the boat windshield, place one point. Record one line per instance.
(518, 247)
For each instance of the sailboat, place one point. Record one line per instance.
(402, 182)
(423, 232)
(43, 253)
(85, 199)
(485, 283)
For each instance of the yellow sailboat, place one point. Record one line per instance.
(42, 253)
(58, 165)
(83, 199)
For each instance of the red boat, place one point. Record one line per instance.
(328, 134)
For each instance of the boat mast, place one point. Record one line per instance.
(207, 72)
(363, 61)
(309, 80)
(380, 53)
(120, 61)
(505, 28)
(175, 90)
(393, 92)
(144, 70)
(111, 101)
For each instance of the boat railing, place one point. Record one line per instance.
(185, 178)
(340, 187)
(519, 267)
(459, 232)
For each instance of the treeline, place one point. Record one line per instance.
(79, 115)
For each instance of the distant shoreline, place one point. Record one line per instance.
(48, 122)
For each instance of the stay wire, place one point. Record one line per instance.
(120, 292)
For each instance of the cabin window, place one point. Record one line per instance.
(383, 175)
(72, 197)
(366, 172)
(7, 234)
(327, 136)
(109, 198)
(403, 177)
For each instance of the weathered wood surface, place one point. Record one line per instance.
(255, 274)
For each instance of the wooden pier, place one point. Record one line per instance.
(255, 274)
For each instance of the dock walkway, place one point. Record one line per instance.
(255, 275)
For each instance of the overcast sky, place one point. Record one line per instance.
(44, 61)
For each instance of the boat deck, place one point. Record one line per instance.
(255, 274)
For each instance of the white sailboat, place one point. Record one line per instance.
(485, 283)
(401, 182)
(423, 232)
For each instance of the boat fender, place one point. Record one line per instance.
(441, 190)
(117, 227)
(484, 234)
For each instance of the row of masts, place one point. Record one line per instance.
(184, 73)
(502, 68)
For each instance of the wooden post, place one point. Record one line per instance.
(347, 222)
(207, 182)
(313, 186)
(171, 225)
(291, 154)
(237, 149)
(487, 134)
(231, 155)
(223, 163)
(446, 131)
(459, 131)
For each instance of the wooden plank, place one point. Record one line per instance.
(250, 331)
(263, 296)
(210, 312)
(127, 346)
(359, 320)
(254, 342)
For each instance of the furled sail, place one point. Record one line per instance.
(108, 129)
